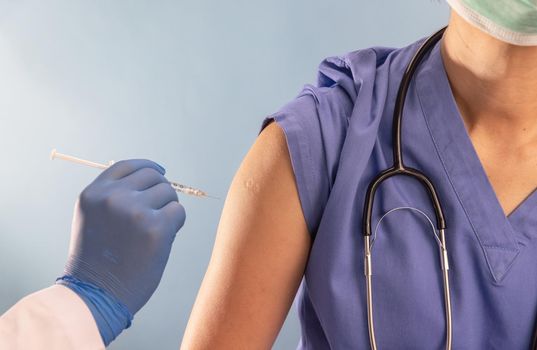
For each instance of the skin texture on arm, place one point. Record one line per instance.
(259, 256)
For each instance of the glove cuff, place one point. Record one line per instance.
(111, 316)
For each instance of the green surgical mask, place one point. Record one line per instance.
(512, 21)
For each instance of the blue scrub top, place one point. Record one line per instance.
(339, 135)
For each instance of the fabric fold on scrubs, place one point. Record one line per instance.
(314, 124)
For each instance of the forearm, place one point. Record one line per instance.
(52, 318)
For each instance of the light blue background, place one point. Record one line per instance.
(184, 83)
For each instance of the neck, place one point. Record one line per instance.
(494, 83)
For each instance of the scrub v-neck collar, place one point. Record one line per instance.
(501, 237)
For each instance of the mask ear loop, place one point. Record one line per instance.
(438, 241)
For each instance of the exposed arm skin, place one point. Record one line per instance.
(259, 256)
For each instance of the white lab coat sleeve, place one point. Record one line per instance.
(53, 318)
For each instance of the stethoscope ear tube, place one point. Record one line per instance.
(399, 168)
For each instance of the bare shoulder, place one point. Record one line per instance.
(267, 163)
(259, 255)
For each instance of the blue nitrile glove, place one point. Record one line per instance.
(123, 228)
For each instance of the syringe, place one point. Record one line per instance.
(175, 185)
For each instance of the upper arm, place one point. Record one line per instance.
(259, 256)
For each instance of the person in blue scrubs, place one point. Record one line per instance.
(293, 216)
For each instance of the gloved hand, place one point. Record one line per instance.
(123, 228)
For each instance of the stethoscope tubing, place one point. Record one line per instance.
(399, 168)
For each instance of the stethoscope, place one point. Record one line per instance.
(399, 168)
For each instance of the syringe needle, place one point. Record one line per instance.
(211, 197)
(175, 185)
